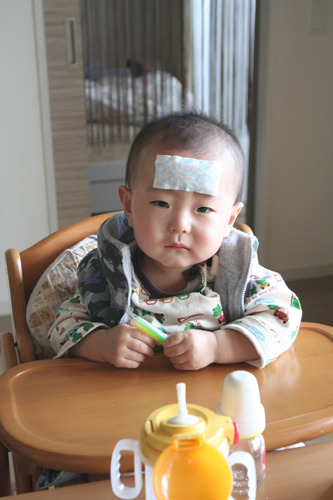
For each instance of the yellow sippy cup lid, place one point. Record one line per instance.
(156, 434)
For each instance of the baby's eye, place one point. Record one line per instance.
(204, 210)
(160, 203)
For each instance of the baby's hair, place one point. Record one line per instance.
(190, 131)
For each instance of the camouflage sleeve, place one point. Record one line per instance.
(103, 287)
(72, 324)
(272, 315)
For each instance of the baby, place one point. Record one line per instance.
(173, 257)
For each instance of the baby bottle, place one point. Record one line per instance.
(241, 400)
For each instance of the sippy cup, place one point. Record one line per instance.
(175, 439)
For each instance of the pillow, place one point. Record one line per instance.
(57, 284)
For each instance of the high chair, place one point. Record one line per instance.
(27, 267)
(24, 270)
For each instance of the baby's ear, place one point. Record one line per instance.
(125, 197)
(236, 209)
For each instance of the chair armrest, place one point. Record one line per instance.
(8, 357)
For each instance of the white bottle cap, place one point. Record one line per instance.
(240, 400)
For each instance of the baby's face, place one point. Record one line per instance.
(175, 228)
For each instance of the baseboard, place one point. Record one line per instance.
(5, 309)
(306, 272)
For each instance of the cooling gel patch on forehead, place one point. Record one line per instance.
(187, 174)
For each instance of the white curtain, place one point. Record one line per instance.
(221, 35)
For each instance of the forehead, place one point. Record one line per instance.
(213, 151)
(146, 175)
(187, 174)
(209, 151)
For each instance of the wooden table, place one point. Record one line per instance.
(69, 414)
(302, 473)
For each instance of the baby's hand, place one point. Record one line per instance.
(191, 349)
(127, 346)
(123, 346)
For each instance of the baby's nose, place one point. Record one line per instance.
(180, 222)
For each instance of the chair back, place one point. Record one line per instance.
(25, 268)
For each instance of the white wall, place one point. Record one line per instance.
(295, 142)
(25, 191)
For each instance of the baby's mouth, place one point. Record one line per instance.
(177, 246)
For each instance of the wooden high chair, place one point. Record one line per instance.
(24, 270)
